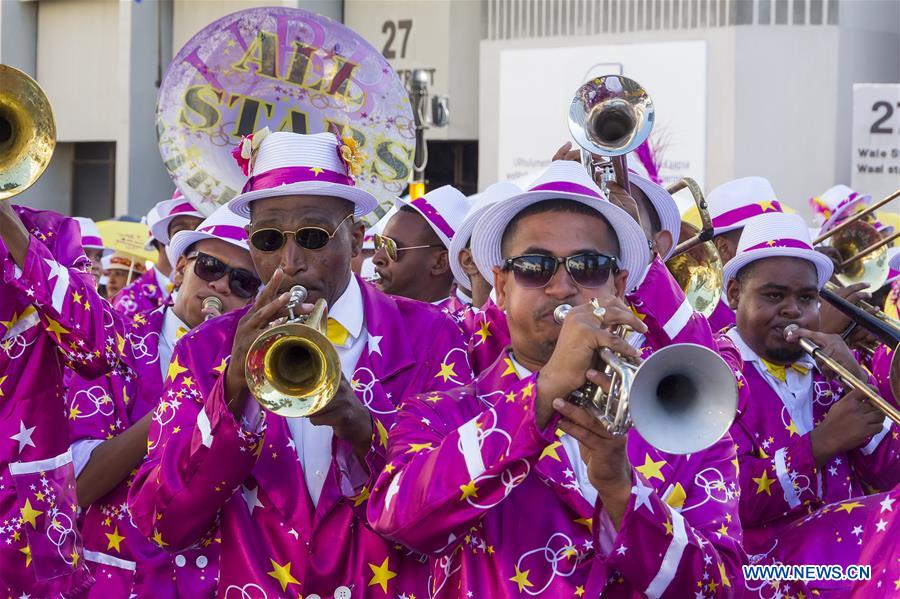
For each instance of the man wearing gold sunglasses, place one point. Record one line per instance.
(411, 255)
(289, 493)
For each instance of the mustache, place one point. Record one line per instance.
(545, 310)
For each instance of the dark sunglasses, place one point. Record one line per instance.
(391, 249)
(242, 283)
(535, 271)
(310, 238)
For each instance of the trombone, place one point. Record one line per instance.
(27, 131)
(855, 240)
(847, 377)
(681, 399)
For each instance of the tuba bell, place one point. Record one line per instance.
(681, 399)
(292, 369)
(27, 131)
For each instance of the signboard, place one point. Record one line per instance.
(535, 87)
(875, 157)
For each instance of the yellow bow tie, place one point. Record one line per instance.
(779, 371)
(180, 332)
(336, 332)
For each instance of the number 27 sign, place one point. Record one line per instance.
(875, 160)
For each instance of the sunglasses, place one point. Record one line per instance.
(535, 271)
(309, 238)
(391, 249)
(242, 283)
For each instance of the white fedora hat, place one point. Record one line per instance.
(90, 235)
(566, 180)
(665, 206)
(835, 203)
(777, 235)
(443, 209)
(478, 204)
(161, 216)
(732, 204)
(223, 224)
(296, 164)
(893, 265)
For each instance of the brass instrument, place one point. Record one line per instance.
(846, 376)
(695, 263)
(27, 131)
(212, 307)
(681, 399)
(863, 250)
(610, 116)
(866, 306)
(292, 369)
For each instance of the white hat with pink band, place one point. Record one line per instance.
(90, 236)
(444, 209)
(777, 235)
(732, 204)
(161, 216)
(836, 204)
(893, 265)
(223, 224)
(284, 164)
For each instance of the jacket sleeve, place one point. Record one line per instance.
(198, 455)
(676, 547)
(60, 289)
(661, 304)
(451, 457)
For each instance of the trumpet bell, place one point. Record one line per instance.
(698, 271)
(683, 398)
(873, 268)
(293, 370)
(611, 115)
(27, 131)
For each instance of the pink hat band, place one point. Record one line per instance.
(567, 187)
(91, 241)
(819, 206)
(433, 216)
(742, 213)
(294, 174)
(232, 232)
(780, 243)
(182, 208)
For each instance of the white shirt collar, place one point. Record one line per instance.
(521, 371)
(163, 282)
(461, 295)
(348, 309)
(171, 325)
(440, 301)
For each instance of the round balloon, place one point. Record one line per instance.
(289, 70)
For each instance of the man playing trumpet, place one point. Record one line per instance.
(289, 494)
(511, 489)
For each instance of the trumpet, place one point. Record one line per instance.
(681, 399)
(292, 369)
(846, 376)
(212, 307)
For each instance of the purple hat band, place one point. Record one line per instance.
(433, 216)
(294, 174)
(182, 208)
(567, 187)
(232, 232)
(742, 213)
(780, 243)
(91, 241)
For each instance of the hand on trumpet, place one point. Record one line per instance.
(832, 346)
(582, 336)
(265, 309)
(835, 321)
(848, 424)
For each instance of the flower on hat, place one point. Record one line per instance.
(245, 152)
(351, 155)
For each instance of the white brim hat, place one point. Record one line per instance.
(90, 236)
(665, 206)
(893, 265)
(443, 209)
(161, 216)
(479, 203)
(223, 224)
(288, 164)
(565, 180)
(835, 203)
(733, 203)
(777, 235)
